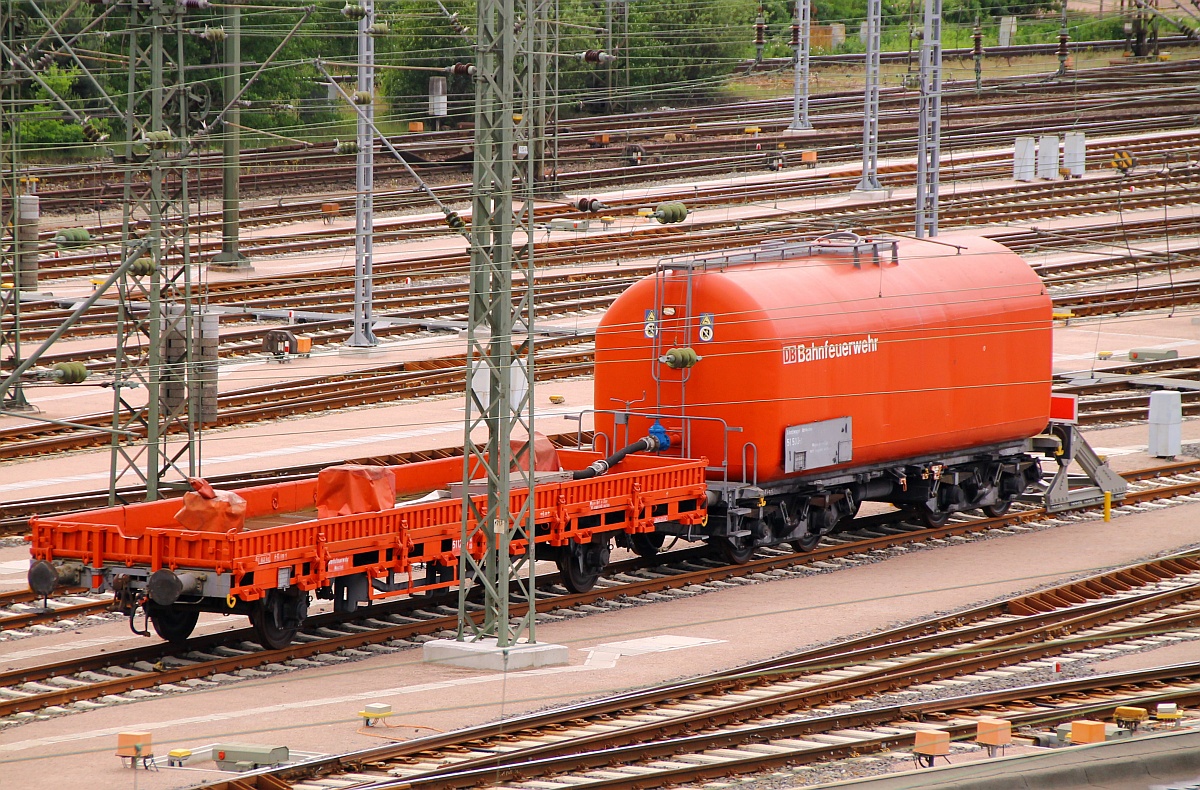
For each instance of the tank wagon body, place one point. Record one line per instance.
(774, 388)
(816, 375)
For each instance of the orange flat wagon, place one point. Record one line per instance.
(266, 557)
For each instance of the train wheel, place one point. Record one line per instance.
(173, 624)
(806, 543)
(647, 544)
(735, 551)
(581, 566)
(930, 517)
(998, 509)
(277, 618)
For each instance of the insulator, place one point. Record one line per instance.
(195, 5)
(92, 131)
(455, 221)
(379, 29)
(70, 372)
(363, 97)
(760, 31)
(795, 36)
(461, 70)
(141, 267)
(214, 34)
(347, 147)
(354, 12)
(72, 237)
(458, 26)
(590, 205)
(977, 38)
(596, 56)
(157, 139)
(680, 358)
(670, 213)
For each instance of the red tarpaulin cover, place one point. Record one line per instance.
(221, 512)
(348, 489)
(545, 456)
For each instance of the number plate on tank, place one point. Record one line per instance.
(817, 444)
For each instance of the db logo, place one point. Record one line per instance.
(790, 355)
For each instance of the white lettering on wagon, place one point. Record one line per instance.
(267, 559)
(598, 504)
(813, 352)
(338, 564)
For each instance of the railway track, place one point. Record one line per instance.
(97, 260)
(16, 514)
(389, 383)
(443, 376)
(770, 745)
(17, 611)
(161, 668)
(326, 290)
(316, 166)
(667, 734)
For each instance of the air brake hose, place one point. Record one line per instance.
(656, 440)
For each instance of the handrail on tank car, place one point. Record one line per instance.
(746, 464)
(726, 429)
(836, 243)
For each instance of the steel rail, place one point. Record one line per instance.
(630, 741)
(71, 264)
(41, 616)
(647, 243)
(241, 407)
(975, 658)
(765, 760)
(170, 674)
(579, 129)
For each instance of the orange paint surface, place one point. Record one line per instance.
(938, 351)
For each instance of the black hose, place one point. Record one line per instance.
(597, 468)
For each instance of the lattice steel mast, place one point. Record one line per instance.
(231, 143)
(870, 165)
(12, 397)
(152, 376)
(364, 181)
(499, 379)
(802, 41)
(541, 97)
(929, 137)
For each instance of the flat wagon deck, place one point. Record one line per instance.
(266, 557)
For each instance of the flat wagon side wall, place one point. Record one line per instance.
(389, 543)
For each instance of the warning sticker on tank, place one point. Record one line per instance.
(813, 352)
(706, 327)
(650, 329)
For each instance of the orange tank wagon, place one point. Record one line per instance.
(275, 549)
(818, 374)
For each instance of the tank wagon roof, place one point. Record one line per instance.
(840, 244)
